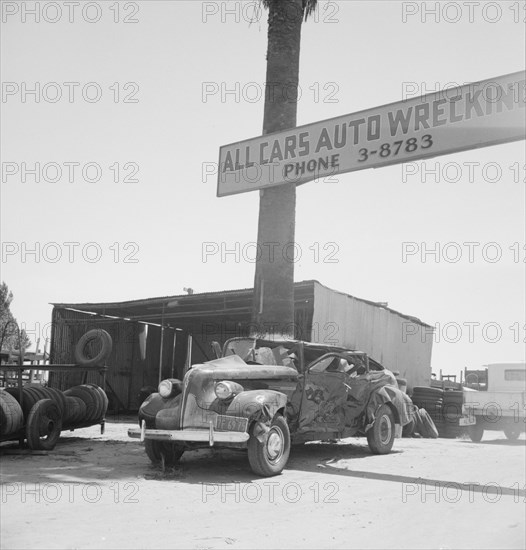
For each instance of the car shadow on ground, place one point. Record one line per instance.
(219, 469)
(224, 466)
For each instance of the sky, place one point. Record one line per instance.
(132, 100)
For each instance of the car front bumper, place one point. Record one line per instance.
(209, 435)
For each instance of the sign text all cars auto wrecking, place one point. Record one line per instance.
(474, 115)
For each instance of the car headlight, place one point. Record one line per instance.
(169, 387)
(227, 389)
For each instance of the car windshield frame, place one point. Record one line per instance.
(355, 359)
(306, 353)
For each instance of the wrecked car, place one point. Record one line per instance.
(264, 395)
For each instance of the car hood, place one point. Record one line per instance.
(233, 367)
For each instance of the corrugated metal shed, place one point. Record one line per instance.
(393, 339)
(321, 315)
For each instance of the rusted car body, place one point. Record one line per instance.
(264, 395)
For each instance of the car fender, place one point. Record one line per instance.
(260, 405)
(394, 398)
(153, 404)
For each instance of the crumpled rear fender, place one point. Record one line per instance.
(257, 404)
(395, 398)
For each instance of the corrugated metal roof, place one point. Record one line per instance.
(136, 308)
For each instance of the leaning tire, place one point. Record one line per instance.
(44, 425)
(408, 429)
(429, 428)
(269, 457)
(11, 415)
(381, 435)
(163, 451)
(512, 432)
(82, 354)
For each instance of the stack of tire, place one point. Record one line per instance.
(11, 415)
(430, 399)
(41, 410)
(46, 411)
(444, 408)
(86, 405)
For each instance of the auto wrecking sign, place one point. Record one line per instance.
(466, 117)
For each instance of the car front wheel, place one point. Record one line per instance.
(269, 457)
(163, 453)
(382, 434)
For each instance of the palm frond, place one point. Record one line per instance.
(309, 6)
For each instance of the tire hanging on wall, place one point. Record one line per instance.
(82, 355)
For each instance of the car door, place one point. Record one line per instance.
(323, 396)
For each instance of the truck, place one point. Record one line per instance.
(499, 405)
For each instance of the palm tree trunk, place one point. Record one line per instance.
(273, 305)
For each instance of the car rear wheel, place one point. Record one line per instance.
(382, 434)
(475, 432)
(269, 457)
(512, 432)
(163, 453)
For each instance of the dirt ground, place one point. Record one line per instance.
(100, 491)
